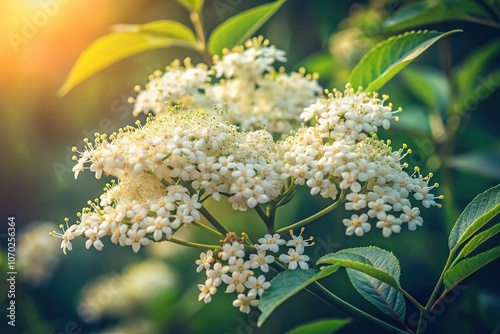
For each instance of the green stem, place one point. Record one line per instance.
(311, 218)
(267, 216)
(262, 214)
(434, 293)
(439, 282)
(214, 222)
(200, 34)
(199, 224)
(413, 300)
(333, 300)
(324, 294)
(193, 244)
(271, 213)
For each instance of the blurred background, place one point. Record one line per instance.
(117, 291)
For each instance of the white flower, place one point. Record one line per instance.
(68, 235)
(357, 225)
(298, 241)
(411, 216)
(378, 209)
(119, 233)
(215, 275)
(235, 282)
(240, 265)
(207, 290)
(271, 242)
(136, 238)
(295, 259)
(356, 201)
(260, 260)
(94, 235)
(230, 252)
(257, 285)
(245, 301)
(189, 206)
(389, 225)
(205, 260)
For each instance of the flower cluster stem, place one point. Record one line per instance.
(193, 244)
(324, 294)
(311, 218)
(333, 300)
(205, 227)
(200, 35)
(213, 221)
(430, 303)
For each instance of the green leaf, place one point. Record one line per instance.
(374, 273)
(114, 47)
(389, 57)
(285, 285)
(468, 266)
(238, 28)
(354, 261)
(477, 213)
(485, 163)
(160, 28)
(323, 326)
(478, 240)
(429, 85)
(423, 13)
(192, 5)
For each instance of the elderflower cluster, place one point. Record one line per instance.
(341, 151)
(242, 81)
(189, 152)
(236, 267)
(166, 169)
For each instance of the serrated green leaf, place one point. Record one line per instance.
(468, 266)
(354, 261)
(477, 213)
(238, 28)
(478, 240)
(389, 57)
(485, 163)
(368, 268)
(114, 47)
(422, 13)
(429, 85)
(323, 326)
(192, 5)
(285, 285)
